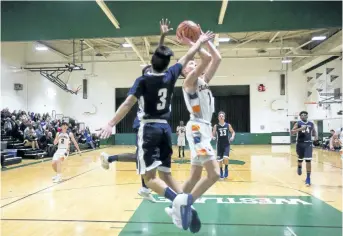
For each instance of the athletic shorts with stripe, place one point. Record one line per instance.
(199, 139)
(154, 147)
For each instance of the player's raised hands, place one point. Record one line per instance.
(205, 37)
(105, 132)
(164, 25)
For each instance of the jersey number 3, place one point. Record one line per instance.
(162, 93)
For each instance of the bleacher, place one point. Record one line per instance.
(13, 151)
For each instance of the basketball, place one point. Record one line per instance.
(189, 29)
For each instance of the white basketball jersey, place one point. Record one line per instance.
(201, 103)
(181, 131)
(63, 141)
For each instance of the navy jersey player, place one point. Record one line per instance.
(153, 92)
(224, 134)
(305, 130)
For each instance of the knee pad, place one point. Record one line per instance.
(307, 161)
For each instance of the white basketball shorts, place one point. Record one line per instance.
(199, 136)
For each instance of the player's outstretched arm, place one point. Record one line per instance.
(134, 93)
(214, 64)
(124, 108)
(71, 135)
(164, 26)
(191, 52)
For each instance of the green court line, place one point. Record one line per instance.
(43, 160)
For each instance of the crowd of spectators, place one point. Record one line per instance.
(39, 130)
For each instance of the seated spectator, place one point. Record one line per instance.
(8, 126)
(326, 144)
(337, 144)
(30, 138)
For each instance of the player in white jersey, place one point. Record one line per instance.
(181, 138)
(200, 104)
(63, 141)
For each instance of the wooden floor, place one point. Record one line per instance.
(262, 196)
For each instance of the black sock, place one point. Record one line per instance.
(179, 151)
(112, 158)
(183, 151)
(143, 183)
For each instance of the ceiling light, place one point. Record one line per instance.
(223, 40)
(41, 48)
(286, 61)
(318, 38)
(126, 45)
(143, 65)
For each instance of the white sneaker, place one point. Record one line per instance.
(104, 161)
(182, 210)
(57, 179)
(146, 194)
(53, 178)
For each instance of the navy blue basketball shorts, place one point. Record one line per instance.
(154, 147)
(304, 151)
(223, 151)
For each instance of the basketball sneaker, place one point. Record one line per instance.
(299, 171)
(182, 204)
(104, 161)
(146, 194)
(308, 182)
(195, 225)
(57, 179)
(226, 174)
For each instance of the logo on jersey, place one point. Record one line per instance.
(203, 87)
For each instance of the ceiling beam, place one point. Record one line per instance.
(134, 48)
(172, 42)
(222, 12)
(297, 34)
(253, 38)
(147, 46)
(223, 56)
(330, 45)
(54, 50)
(299, 47)
(115, 23)
(109, 42)
(216, 40)
(274, 37)
(108, 13)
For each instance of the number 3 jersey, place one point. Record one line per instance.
(305, 135)
(201, 103)
(63, 140)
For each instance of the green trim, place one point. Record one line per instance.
(280, 134)
(240, 139)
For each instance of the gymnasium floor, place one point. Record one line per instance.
(263, 196)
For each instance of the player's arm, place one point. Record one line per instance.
(71, 135)
(195, 47)
(315, 133)
(296, 129)
(56, 139)
(164, 26)
(134, 93)
(192, 77)
(177, 131)
(214, 64)
(333, 137)
(232, 131)
(214, 131)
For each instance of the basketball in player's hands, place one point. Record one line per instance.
(188, 29)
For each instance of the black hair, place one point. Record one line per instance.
(64, 123)
(303, 112)
(161, 58)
